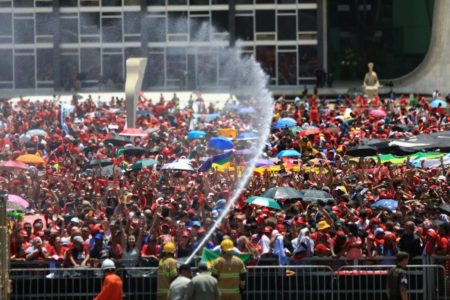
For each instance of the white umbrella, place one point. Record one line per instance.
(178, 166)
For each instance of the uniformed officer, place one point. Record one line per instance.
(397, 281)
(167, 271)
(230, 272)
(204, 285)
(112, 284)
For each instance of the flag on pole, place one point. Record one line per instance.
(209, 256)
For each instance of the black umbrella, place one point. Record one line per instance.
(309, 195)
(282, 192)
(99, 162)
(362, 151)
(402, 128)
(108, 171)
(134, 151)
(155, 150)
(118, 140)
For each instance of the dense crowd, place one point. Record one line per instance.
(93, 197)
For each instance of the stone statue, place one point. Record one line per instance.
(371, 84)
(133, 85)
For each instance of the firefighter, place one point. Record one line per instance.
(230, 272)
(167, 270)
(112, 284)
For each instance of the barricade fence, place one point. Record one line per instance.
(318, 282)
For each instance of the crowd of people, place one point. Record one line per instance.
(79, 214)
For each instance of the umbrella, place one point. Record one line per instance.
(288, 153)
(133, 151)
(143, 163)
(31, 159)
(296, 129)
(108, 171)
(247, 135)
(284, 123)
(362, 151)
(18, 200)
(13, 164)
(309, 195)
(25, 138)
(133, 132)
(379, 113)
(36, 132)
(153, 151)
(309, 131)
(220, 143)
(389, 204)
(435, 103)
(445, 208)
(99, 162)
(178, 166)
(143, 112)
(118, 140)
(282, 192)
(14, 206)
(263, 162)
(402, 128)
(246, 110)
(263, 201)
(196, 134)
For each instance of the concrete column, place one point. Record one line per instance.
(56, 47)
(232, 21)
(133, 86)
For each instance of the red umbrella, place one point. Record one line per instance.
(133, 132)
(310, 131)
(13, 164)
(378, 113)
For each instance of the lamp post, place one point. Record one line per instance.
(4, 247)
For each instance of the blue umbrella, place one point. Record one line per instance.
(386, 203)
(288, 153)
(247, 135)
(220, 143)
(435, 103)
(207, 117)
(246, 110)
(143, 112)
(284, 123)
(196, 134)
(231, 106)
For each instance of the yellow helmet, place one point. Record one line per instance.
(169, 248)
(227, 245)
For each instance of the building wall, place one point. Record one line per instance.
(71, 44)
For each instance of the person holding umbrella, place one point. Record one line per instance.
(112, 284)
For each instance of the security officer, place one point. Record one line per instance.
(204, 285)
(112, 284)
(167, 270)
(230, 272)
(397, 281)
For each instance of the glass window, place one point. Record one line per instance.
(199, 2)
(113, 69)
(176, 64)
(244, 1)
(131, 2)
(24, 31)
(264, 1)
(287, 68)
(90, 64)
(6, 65)
(244, 28)
(69, 71)
(89, 23)
(158, 29)
(111, 2)
(177, 2)
(220, 20)
(308, 61)
(24, 72)
(69, 30)
(178, 22)
(65, 3)
(156, 2)
(265, 55)
(286, 28)
(44, 64)
(44, 24)
(112, 30)
(6, 28)
(207, 69)
(199, 29)
(286, 1)
(307, 20)
(265, 20)
(155, 70)
(23, 3)
(132, 52)
(219, 1)
(89, 2)
(132, 22)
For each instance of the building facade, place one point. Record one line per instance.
(83, 44)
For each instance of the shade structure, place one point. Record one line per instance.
(220, 143)
(389, 204)
(282, 192)
(118, 140)
(196, 134)
(133, 132)
(284, 123)
(309, 195)
(289, 153)
(309, 131)
(36, 132)
(362, 151)
(11, 164)
(32, 159)
(437, 102)
(263, 201)
(133, 151)
(143, 163)
(108, 171)
(378, 113)
(97, 162)
(247, 136)
(178, 166)
(18, 200)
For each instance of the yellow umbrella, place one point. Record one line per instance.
(31, 159)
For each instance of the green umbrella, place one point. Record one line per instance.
(263, 201)
(143, 163)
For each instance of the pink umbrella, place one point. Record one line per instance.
(378, 113)
(18, 200)
(133, 132)
(13, 164)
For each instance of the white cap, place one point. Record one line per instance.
(442, 177)
(108, 264)
(75, 220)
